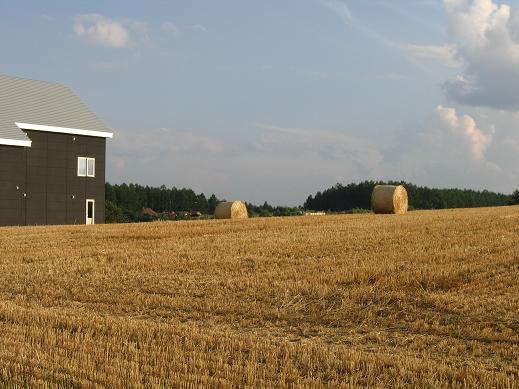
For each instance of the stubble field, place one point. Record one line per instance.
(427, 299)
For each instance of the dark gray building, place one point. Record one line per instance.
(52, 156)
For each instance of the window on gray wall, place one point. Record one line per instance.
(86, 167)
(81, 166)
(91, 166)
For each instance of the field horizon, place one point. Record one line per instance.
(426, 299)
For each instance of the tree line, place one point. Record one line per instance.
(126, 202)
(343, 198)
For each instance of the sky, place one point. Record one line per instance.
(274, 100)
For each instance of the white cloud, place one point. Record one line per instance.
(486, 35)
(99, 30)
(448, 149)
(452, 137)
(465, 128)
(484, 41)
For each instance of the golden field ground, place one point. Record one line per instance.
(427, 299)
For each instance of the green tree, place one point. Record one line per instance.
(110, 193)
(114, 214)
(212, 202)
(514, 199)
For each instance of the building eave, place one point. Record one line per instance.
(13, 142)
(64, 130)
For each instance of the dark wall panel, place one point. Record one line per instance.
(35, 206)
(47, 173)
(8, 190)
(36, 180)
(12, 185)
(56, 212)
(10, 217)
(95, 186)
(66, 193)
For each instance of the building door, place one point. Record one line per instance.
(90, 204)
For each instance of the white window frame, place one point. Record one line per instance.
(81, 161)
(93, 211)
(85, 161)
(93, 160)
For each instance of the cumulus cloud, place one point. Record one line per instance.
(486, 35)
(447, 149)
(466, 130)
(99, 30)
(447, 134)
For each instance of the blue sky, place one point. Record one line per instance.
(274, 100)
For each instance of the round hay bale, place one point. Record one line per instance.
(231, 210)
(389, 199)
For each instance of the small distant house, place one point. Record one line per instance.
(52, 156)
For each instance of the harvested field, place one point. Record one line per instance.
(426, 299)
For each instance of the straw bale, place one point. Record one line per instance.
(389, 199)
(231, 210)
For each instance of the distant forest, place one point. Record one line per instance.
(133, 202)
(340, 198)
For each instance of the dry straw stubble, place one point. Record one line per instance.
(430, 300)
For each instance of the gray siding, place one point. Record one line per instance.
(40, 102)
